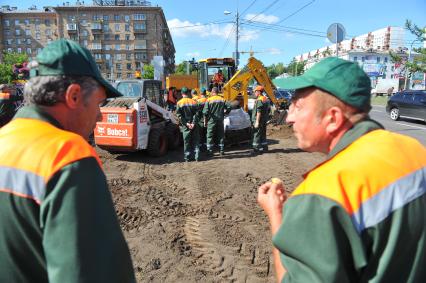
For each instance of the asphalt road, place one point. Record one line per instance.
(412, 128)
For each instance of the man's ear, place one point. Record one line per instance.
(73, 96)
(335, 119)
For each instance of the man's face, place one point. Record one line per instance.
(308, 126)
(89, 113)
(257, 93)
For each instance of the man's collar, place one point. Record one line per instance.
(35, 112)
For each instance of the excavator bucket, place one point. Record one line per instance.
(278, 118)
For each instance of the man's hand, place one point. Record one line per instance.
(271, 197)
(256, 124)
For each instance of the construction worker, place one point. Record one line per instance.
(57, 219)
(358, 216)
(194, 94)
(259, 118)
(214, 112)
(8, 102)
(218, 79)
(202, 129)
(186, 111)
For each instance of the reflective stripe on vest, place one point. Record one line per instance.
(32, 152)
(370, 189)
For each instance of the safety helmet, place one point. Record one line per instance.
(259, 88)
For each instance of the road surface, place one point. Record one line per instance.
(409, 127)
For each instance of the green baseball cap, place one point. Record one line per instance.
(203, 90)
(184, 90)
(66, 57)
(341, 78)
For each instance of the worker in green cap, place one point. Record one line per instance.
(202, 129)
(194, 94)
(259, 118)
(214, 112)
(57, 218)
(358, 216)
(186, 112)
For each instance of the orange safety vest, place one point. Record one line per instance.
(4, 95)
(35, 150)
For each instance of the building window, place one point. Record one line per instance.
(127, 47)
(116, 18)
(140, 56)
(386, 59)
(129, 66)
(28, 40)
(97, 37)
(85, 43)
(129, 56)
(47, 22)
(127, 27)
(129, 75)
(107, 47)
(19, 50)
(17, 32)
(140, 44)
(16, 22)
(27, 22)
(127, 37)
(355, 58)
(107, 56)
(106, 18)
(7, 32)
(18, 41)
(83, 22)
(98, 56)
(118, 75)
(84, 33)
(6, 23)
(378, 59)
(117, 27)
(96, 17)
(27, 32)
(96, 46)
(8, 41)
(118, 66)
(29, 51)
(116, 37)
(107, 36)
(37, 27)
(139, 36)
(10, 50)
(39, 50)
(117, 47)
(139, 17)
(118, 57)
(37, 35)
(139, 26)
(126, 18)
(363, 59)
(48, 32)
(137, 65)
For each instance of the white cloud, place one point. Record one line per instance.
(248, 35)
(194, 54)
(180, 28)
(274, 51)
(262, 18)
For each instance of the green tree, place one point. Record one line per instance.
(180, 69)
(275, 70)
(296, 68)
(148, 72)
(419, 62)
(6, 68)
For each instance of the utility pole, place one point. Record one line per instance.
(237, 55)
(408, 60)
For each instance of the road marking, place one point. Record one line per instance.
(423, 128)
(374, 110)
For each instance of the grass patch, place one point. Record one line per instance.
(379, 100)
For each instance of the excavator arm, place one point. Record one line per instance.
(237, 85)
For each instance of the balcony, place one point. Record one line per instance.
(96, 27)
(72, 27)
(140, 44)
(139, 28)
(96, 46)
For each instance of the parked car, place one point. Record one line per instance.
(410, 104)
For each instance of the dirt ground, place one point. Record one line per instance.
(199, 221)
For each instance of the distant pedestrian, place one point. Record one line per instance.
(186, 111)
(202, 129)
(214, 113)
(259, 118)
(390, 91)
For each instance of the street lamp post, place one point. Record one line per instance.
(237, 27)
(408, 60)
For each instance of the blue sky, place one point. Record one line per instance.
(277, 29)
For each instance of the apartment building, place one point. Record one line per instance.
(370, 50)
(121, 38)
